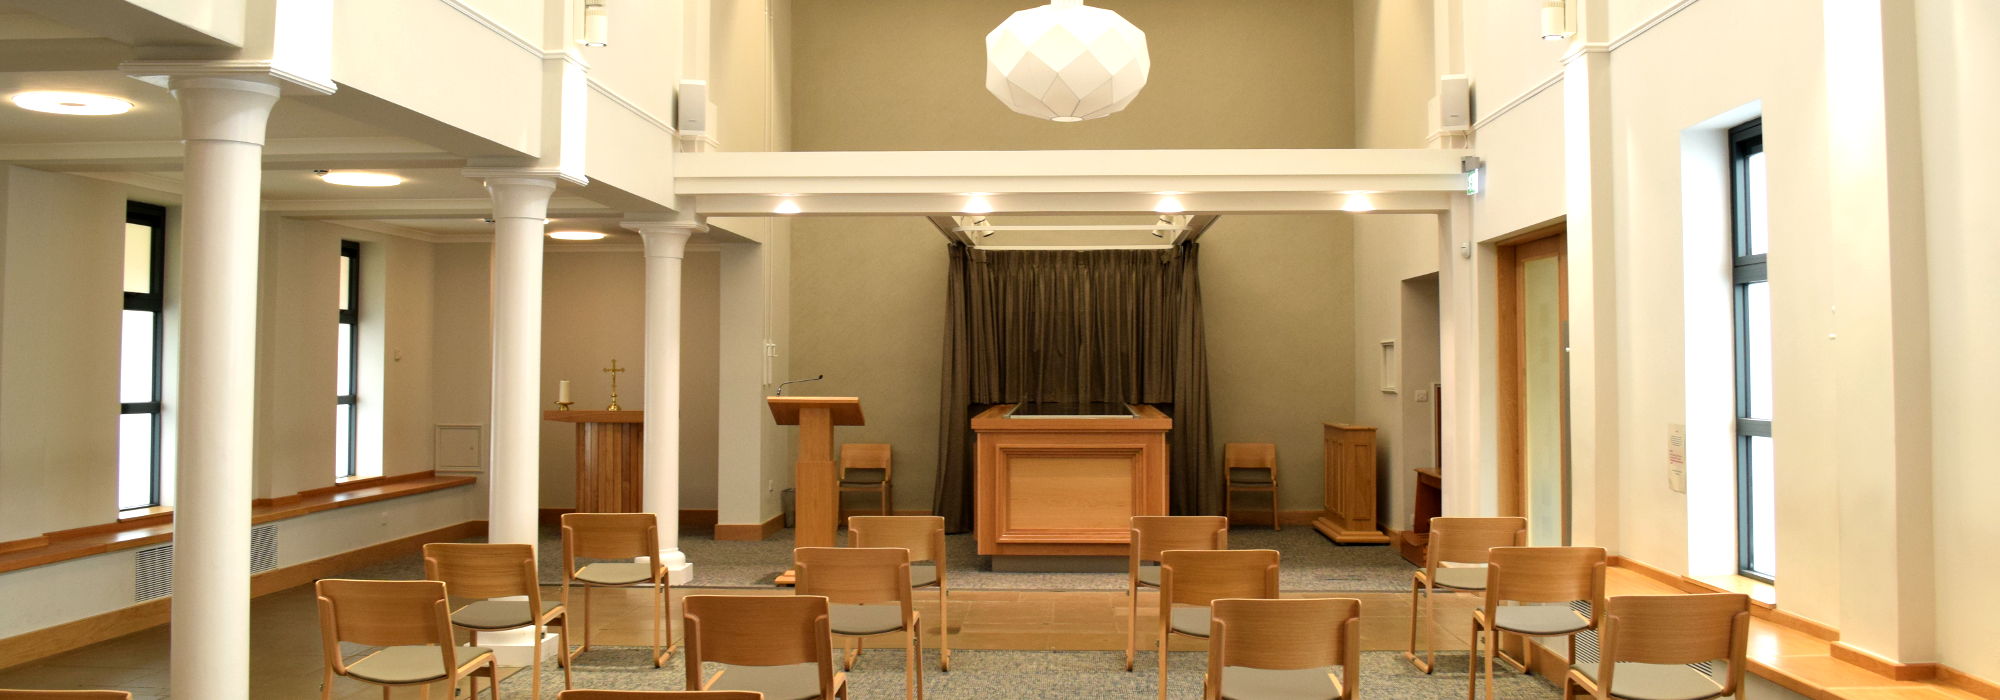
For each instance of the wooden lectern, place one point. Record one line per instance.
(610, 472)
(813, 478)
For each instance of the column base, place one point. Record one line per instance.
(679, 570)
(516, 647)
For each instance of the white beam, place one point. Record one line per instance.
(1384, 202)
(955, 172)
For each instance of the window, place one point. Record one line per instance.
(345, 434)
(142, 347)
(1756, 488)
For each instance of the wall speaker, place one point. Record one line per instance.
(1452, 107)
(692, 106)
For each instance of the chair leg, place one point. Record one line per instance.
(471, 686)
(853, 652)
(1274, 509)
(493, 676)
(423, 691)
(1132, 625)
(1163, 656)
(562, 635)
(534, 669)
(586, 620)
(913, 662)
(1427, 663)
(1492, 643)
(886, 499)
(1472, 664)
(944, 628)
(326, 686)
(659, 621)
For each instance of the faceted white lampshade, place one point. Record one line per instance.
(1066, 62)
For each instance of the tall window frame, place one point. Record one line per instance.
(1755, 487)
(149, 391)
(348, 376)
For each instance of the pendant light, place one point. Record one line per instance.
(1066, 62)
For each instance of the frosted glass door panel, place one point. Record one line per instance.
(1541, 410)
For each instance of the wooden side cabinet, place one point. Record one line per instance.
(1350, 486)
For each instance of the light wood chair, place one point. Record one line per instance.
(865, 467)
(1151, 535)
(1455, 541)
(781, 646)
(659, 695)
(1251, 467)
(64, 695)
(412, 621)
(1528, 576)
(923, 535)
(1284, 649)
(1198, 577)
(484, 572)
(1646, 644)
(868, 593)
(621, 536)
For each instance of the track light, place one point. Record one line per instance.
(596, 24)
(1555, 20)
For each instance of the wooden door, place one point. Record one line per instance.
(1534, 391)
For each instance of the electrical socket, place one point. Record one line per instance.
(770, 485)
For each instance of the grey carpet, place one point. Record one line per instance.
(1308, 562)
(996, 675)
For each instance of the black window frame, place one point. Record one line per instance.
(153, 300)
(351, 316)
(1745, 141)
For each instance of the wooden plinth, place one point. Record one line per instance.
(1350, 486)
(1067, 486)
(610, 459)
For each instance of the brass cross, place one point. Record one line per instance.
(613, 370)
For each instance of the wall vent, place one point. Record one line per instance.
(263, 548)
(154, 574)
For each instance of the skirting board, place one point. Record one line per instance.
(750, 532)
(50, 641)
(1893, 669)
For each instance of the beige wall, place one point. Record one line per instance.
(1245, 74)
(868, 310)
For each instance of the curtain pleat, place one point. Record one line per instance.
(1067, 326)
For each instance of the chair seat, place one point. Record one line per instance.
(793, 682)
(410, 664)
(1539, 619)
(499, 614)
(1250, 477)
(923, 574)
(614, 573)
(1464, 578)
(1149, 575)
(1244, 683)
(1191, 620)
(864, 619)
(1637, 681)
(863, 477)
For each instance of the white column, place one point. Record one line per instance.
(222, 120)
(666, 246)
(520, 205)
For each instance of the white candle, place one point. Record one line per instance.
(562, 392)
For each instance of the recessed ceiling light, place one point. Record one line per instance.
(975, 203)
(576, 235)
(1168, 205)
(76, 103)
(358, 178)
(787, 207)
(1357, 204)
(1360, 191)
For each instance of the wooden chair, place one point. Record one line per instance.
(624, 536)
(1455, 541)
(64, 695)
(1151, 535)
(1535, 575)
(1198, 577)
(1251, 467)
(780, 646)
(1284, 649)
(868, 593)
(488, 571)
(659, 695)
(865, 467)
(1646, 644)
(923, 535)
(412, 620)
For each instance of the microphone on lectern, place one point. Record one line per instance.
(781, 387)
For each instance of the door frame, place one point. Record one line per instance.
(1546, 241)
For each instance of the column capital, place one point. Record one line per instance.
(518, 193)
(666, 239)
(224, 107)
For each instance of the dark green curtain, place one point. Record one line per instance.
(1075, 326)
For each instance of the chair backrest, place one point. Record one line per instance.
(854, 575)
(1199, 576)
(660, 695)
(1153, 534)
(1546, 575)
(865, 455)
(1286, 634)
(1677, 629)
(1250, 455)
(757, 631)
(923, 535)
(64, 695)
(383, 614)
(1466, 540)
(609, 536)
(480, 570)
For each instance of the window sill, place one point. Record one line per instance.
(137, 513)
(1760, 592)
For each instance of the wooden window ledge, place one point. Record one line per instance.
(134, 530)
